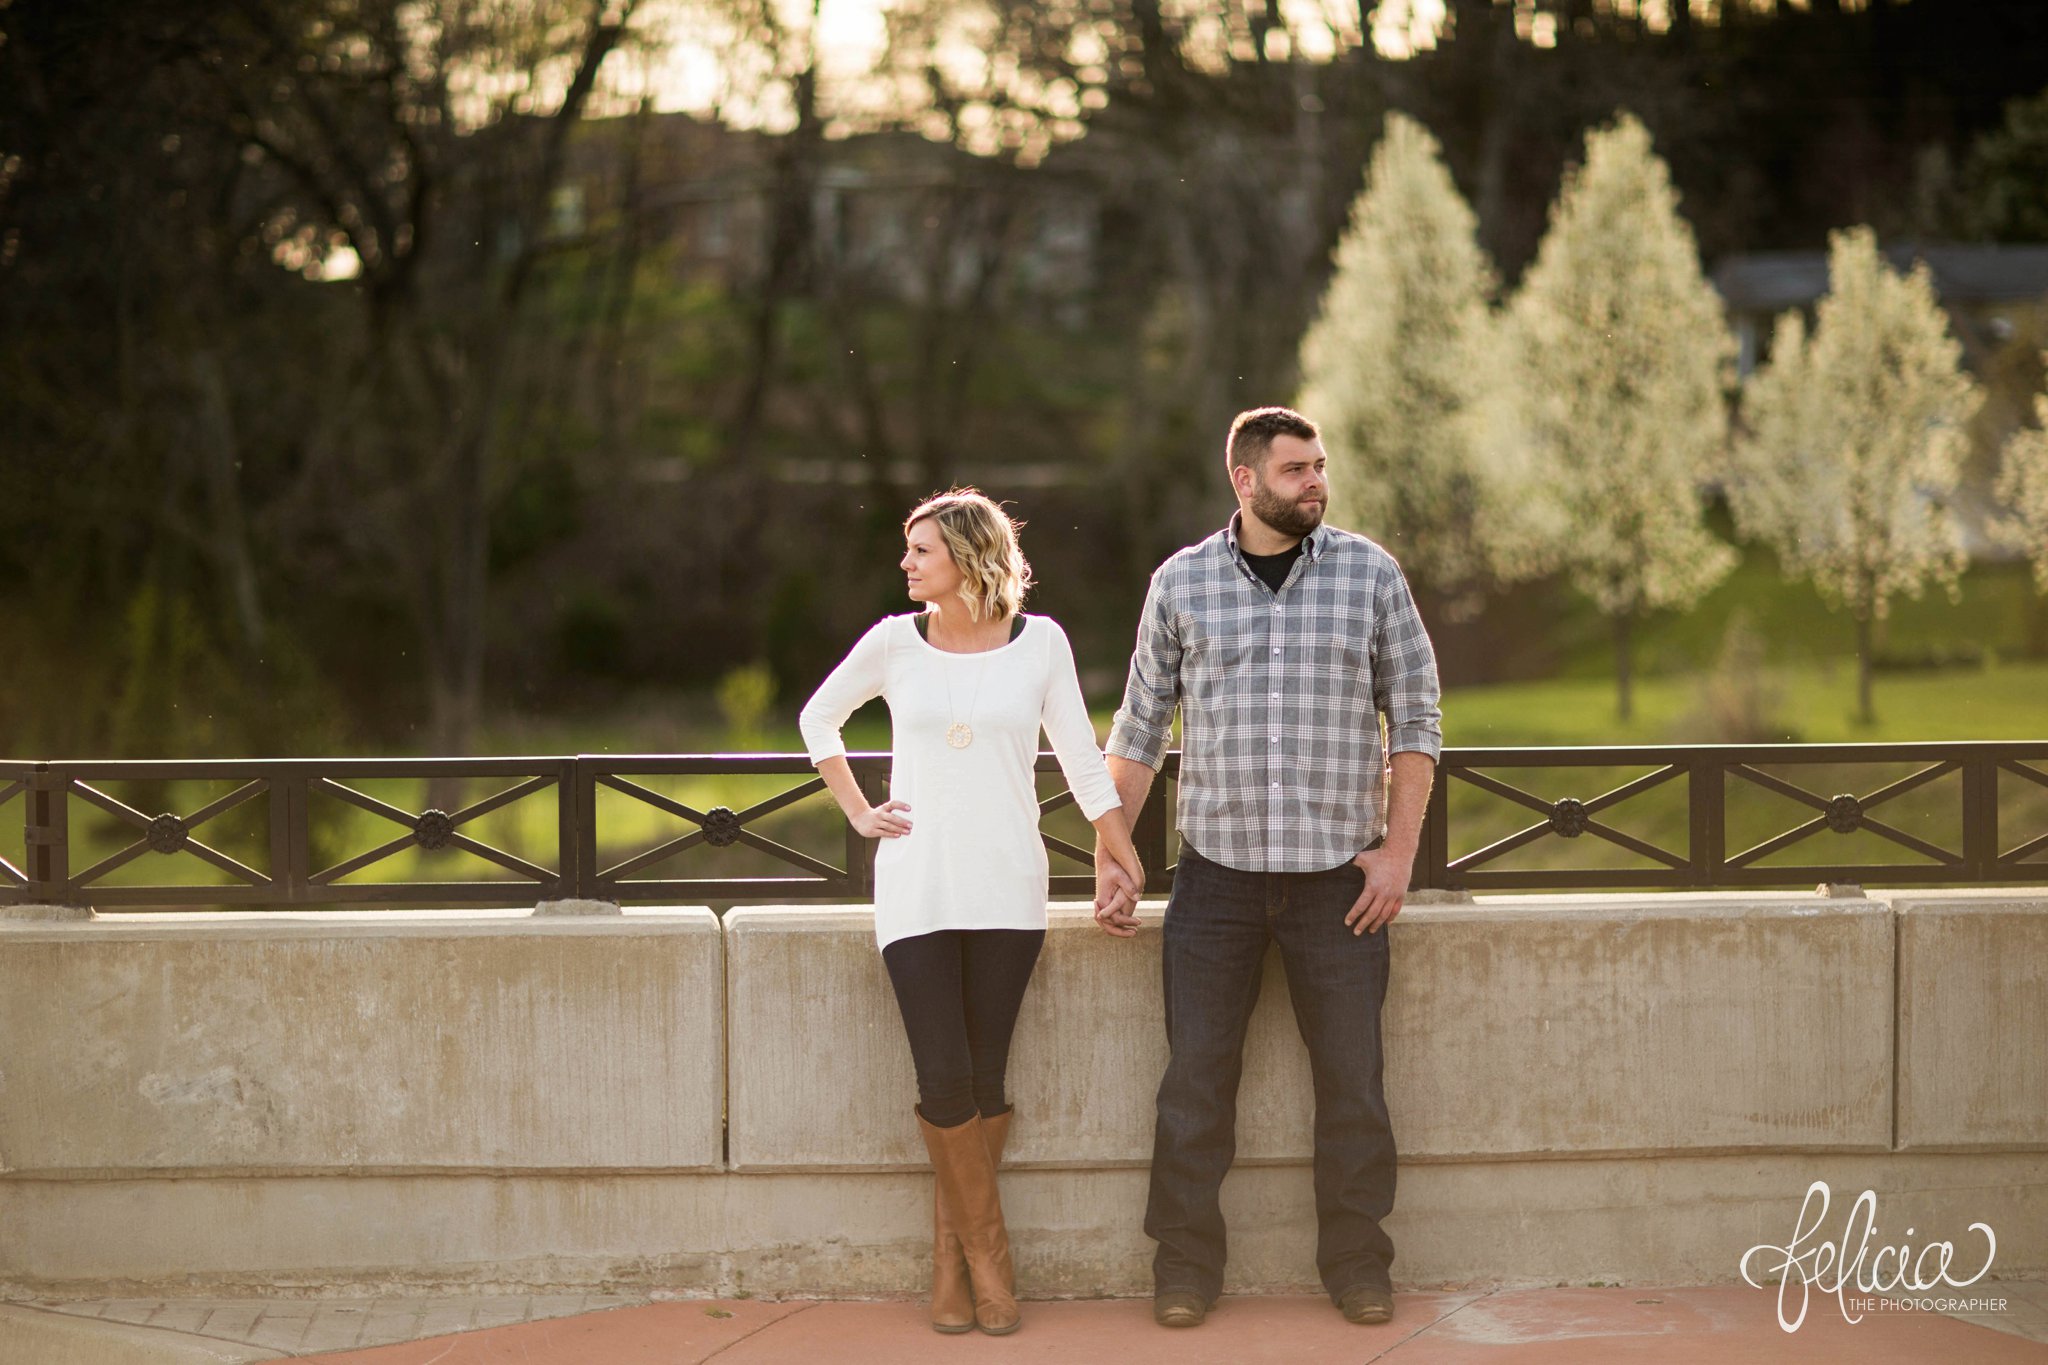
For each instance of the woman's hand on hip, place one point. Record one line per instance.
(890, 820)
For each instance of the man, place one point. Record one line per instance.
(1284, 643)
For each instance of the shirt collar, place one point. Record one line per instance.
(1311, 544)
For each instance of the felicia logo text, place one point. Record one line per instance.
(1852, 1265)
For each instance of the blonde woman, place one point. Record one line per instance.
(960, 876)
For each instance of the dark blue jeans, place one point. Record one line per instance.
(1219, 923)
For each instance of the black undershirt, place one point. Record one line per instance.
(924, 625)
(1273, 568)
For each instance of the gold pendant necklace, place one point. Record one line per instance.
(960, 733)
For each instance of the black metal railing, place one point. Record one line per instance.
(313, 832)
(1966, 815)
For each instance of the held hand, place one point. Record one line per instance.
(1112, 883)
(890, 820)
(1116, 897)
(1386, 885)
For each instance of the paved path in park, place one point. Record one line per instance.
(1693, 1326)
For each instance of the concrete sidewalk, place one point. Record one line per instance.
(1504, 1327)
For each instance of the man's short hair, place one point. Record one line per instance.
(1251, 435)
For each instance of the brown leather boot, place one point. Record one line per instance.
(952, 1294)
(966, 1177)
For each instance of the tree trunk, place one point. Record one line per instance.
(792, 242)
(1623, 683)
(234, 564)
(452, 711)
(1491, 190)
(951, 332)
(452, 714)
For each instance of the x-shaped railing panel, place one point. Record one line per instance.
(719, 827)
(170, 833)
(1844, 814)
(716, 827)
(431, 830)
(1567, 818)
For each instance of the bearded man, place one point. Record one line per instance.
(1284, 643)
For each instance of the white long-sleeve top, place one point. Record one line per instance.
(973, 858)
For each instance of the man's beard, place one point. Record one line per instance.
(1288, 518)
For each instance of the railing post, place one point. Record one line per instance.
(1433, 868)
(860, 852)
(288, 848)
(1707, 816)
(568, 830)
(1149, 838)
(46, 837)
(1980, 817)
(583, 834)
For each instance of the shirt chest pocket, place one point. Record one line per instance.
(1341, 661)
(1215, 657)
(1338, 645)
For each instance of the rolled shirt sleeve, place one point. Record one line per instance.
(1072, 735)
(1144, 723)
(1405, 688)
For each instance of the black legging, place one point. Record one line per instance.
(960, 990)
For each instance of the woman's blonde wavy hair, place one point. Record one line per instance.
(982, 538)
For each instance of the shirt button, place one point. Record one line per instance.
(1276, 696)
(1276, 739)
(1276, 786)
(1276, 649)
(1276, 606)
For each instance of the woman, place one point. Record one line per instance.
(960, 876)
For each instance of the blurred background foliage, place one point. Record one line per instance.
(419, 376)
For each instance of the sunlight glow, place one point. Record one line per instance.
(692, 60)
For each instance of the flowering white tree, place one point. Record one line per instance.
(2023, 488)
(1396, 365)
(1617, 346)
(1855, 440)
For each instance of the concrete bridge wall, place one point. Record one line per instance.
(1625, 1089)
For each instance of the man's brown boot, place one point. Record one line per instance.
(966, 1180)
(952, 1296)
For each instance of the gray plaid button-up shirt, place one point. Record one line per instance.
(1281, 696)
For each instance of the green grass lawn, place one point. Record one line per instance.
(1814, 702)
(1997, 611)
